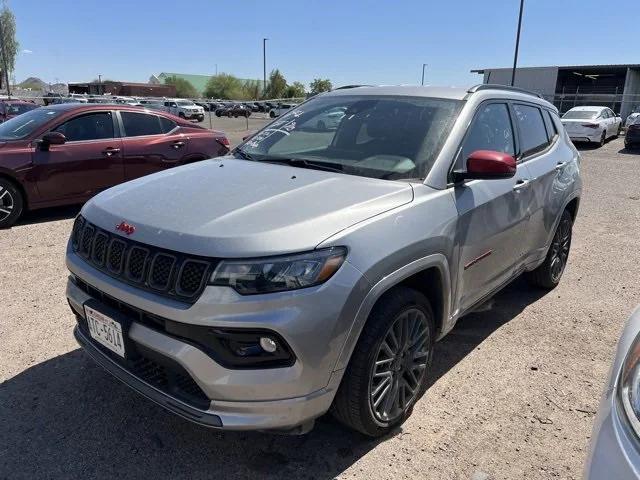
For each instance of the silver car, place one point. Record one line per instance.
(616, 432)
(313, 270)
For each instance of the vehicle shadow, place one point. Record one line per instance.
(630, 151)
(67, 418)
(49, 214)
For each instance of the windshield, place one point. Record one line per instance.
(18, 108)
(581, 114)
(24, 125)
(186, 104)
(390, 137)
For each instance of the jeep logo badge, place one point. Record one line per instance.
(125, 228)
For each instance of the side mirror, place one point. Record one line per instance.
(247, 137)
(487, 165)
(52, 138)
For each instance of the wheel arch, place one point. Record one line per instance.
(429, 275)
(19, 186)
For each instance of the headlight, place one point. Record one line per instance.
(629, 385)
(277, 274)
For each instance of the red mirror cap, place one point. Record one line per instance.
(489, 162)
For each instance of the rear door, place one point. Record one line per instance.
(492, 213)
(545, 158)
(89, 161)
(150, 143)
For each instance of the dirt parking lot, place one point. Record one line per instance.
(513, 396)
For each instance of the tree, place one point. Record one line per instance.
(251, 90)
(320, 85)
(223, 86)
(277, 85)
(10, 45)
(295, 90)
(184, 88)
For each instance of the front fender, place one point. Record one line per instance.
(436, 260)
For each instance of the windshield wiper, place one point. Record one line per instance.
(244, 155)
(302, 163)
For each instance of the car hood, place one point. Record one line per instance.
(235, 208)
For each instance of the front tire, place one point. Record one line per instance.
(11, 203)
(389, 367)
(548, 274)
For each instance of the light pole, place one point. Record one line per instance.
(424, 65)
(515, 55)
(99, 84)
(264, 66)
(216, 69)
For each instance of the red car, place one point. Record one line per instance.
(13, 108)
(64, 154)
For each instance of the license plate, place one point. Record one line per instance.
(105, 330)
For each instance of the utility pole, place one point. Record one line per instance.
(4, 60)
(216, 69)
(424, 65)
(515, 56)
(100, 84)
(264, 66)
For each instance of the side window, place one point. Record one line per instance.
(533, 135)
(491, 129)
(92, 126)
(551, 128)
(138, 124)
(167, 125)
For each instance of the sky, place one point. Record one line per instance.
(347, 41)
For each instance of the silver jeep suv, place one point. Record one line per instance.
(313, 269)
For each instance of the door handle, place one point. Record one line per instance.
(110, 151)
(560, 165)
(520, 184)
(178, 144)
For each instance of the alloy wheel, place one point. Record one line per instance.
(560, 249)
(400, 366)
(6, 203)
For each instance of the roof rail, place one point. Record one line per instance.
(344, 87)
(494, 86)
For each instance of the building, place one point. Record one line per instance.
(126, 89)
(614, 86)
(199, 82)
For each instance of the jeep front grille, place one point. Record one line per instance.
(161, 271)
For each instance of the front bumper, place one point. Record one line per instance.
(314, 322)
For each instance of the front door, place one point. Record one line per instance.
(492, 213)
(89, 161)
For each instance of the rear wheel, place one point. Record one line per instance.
(603, 138)
(549, 273)
(11, 203)
(388, 370)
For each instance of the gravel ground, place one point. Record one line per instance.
(514, 390)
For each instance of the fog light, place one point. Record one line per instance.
(268, 344)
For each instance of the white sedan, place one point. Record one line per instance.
(591, 124)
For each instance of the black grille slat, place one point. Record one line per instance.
(161, 271)
(136, 262)
(99, 248)
(116, 255)
(87, 237)
(191, 277)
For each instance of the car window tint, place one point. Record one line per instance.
(167, 125)
(533, 135)
(551, 128)
(138, 124)
(92, 126)
(491, 130)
